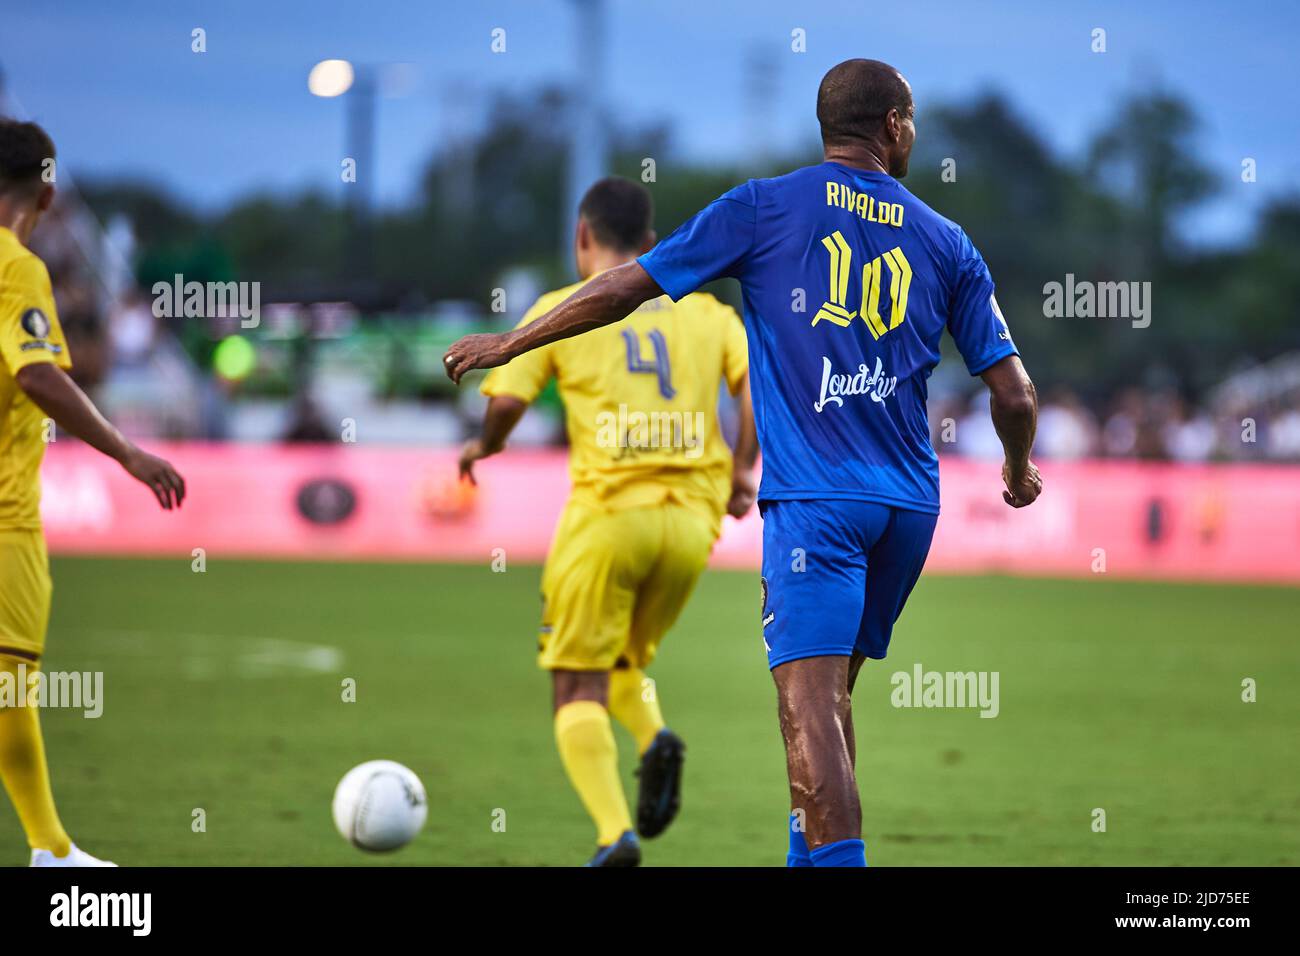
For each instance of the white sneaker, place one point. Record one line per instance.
(75, 857)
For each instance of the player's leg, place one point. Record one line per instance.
(856, 660)
(588, 588)
(798, 855)
(634, 702)
(813, 702)
(813, 587)
(24, 613)
(585, 740)
(687, 539)
(894, 564)
(23, 767)
(894, 561)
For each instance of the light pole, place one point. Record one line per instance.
(588, 157)
(331, 78)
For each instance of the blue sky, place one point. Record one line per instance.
(121, 91)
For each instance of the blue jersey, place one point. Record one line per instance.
(849, 281)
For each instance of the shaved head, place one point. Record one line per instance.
(865, 103)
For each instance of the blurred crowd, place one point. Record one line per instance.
(1155, 425)
(122, 353)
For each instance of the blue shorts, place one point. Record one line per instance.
(836, 575)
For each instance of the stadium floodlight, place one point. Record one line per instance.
(330, 78)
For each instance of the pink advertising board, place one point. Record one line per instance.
(350, 502)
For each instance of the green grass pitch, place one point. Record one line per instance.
(223, 692)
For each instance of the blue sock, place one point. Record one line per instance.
(798, 854)
(841, 853)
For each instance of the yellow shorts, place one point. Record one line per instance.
(615, 582)
(25, 590)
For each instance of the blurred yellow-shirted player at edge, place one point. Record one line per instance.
(34, 387)
(652, 477)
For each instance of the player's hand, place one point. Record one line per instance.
(1023, 487)
(163, 480)
(485, 350)
(472, 452)
(743, 492)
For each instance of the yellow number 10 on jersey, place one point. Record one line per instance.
(900, 280)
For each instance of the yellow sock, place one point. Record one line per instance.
(24, 771)
(586, 742)
(634, 702)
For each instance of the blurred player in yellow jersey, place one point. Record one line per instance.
(652, 477)
(34, 387)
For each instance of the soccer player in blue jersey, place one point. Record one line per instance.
(850, 487)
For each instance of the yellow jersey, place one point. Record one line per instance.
(641, 400)
(29, 333)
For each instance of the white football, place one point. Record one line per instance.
(379, 805)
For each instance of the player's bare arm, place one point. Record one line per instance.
(503, 414)
(59, 397)
(1014, 407)
(608, 297)
(744, 487)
